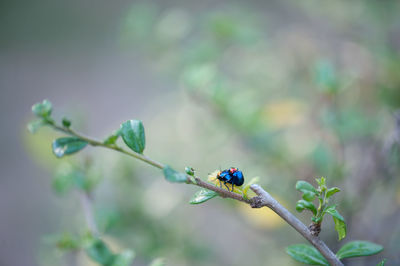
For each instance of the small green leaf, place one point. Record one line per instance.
(174, 176)
(316, 219)
(247, 186)
(132, 133)
(340, 224)
(42, 109)
(112, 139)
(302, 204)
(309, 196)
(299, 207)
(63, 179)
(189, 170)
(69, 176)
(68, 145)
(67, 242)
(326, 77)
(123, 259)
(306, 254)
(202, 196)
(158, 262)
(382, 263)
(100, 253)
(34, 126)
(107, 219)
(66, 122)
(358, 249)
(304, 186)
(321, 181)
(332, 191)
(340, 227)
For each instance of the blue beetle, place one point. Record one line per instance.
(232, 176)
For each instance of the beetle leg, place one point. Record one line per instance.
(220, 184)
(226, 186)
(232, 187)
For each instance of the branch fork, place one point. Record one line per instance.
(264, 199)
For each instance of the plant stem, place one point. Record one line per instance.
(88, 211)
(198, 182)
(263, 198)
(94, 142)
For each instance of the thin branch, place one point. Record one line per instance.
(87, 207)
(222, 192)
(264, 199)
(94, 142)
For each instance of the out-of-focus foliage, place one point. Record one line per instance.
(313, 90)
(308, 99)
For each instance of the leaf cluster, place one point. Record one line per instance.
(73, 176)
(323, 194)
(309, 255)
(95, 248)
(43, 112)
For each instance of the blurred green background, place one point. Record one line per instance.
(284, 90)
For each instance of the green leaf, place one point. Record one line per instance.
(202, 196)
(189, 170)
(68, 176)
(302, 204)
(332, 191)
(247, 186)
(100, 253)
(67, 242)
(158, 262)
(42, 109)
(123, 259)
(304, 186)
(340, 225)
(34, 126)
(68, 145)
(199, 76)
(382, 263)
(63, 179)
(112, 139)
(309, 196)
(321, 181)
(66, 122)
(174, 176)
(317, 219)
(306, 254)
(358, 249)
(132, 133)
(326, 77)
(107, 219)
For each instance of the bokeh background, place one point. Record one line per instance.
(284, 90)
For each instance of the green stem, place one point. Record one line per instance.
(94, 142)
